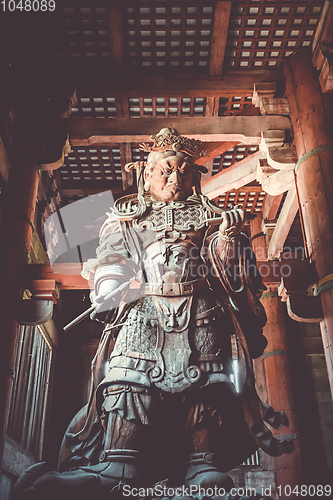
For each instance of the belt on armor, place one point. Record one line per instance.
(174, 289)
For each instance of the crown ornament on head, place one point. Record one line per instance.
(168, 139)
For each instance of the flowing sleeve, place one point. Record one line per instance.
(113, 257)
(235, 269)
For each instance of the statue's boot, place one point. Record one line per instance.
(116, 468)
(202, 472)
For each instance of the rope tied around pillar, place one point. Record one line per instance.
(267, 295)
(323, 284)
(254, 237)
(283, 437)
(313, 152)
(275, 353)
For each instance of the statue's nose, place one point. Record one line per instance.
(175, 177)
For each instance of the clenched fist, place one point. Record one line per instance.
(233, 222)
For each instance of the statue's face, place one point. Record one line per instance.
(170, 178)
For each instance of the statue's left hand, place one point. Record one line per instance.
(233, 222)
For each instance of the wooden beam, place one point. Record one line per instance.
(102, 83)
(89, 190)
(245, 129)
(118, 191)
(234, 177)
(219, 38)
(116, 34)
(67, 276)
(283, 225)
(271, 206)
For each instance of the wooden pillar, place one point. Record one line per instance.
(273, 373)
(258, 240)
(314, 177)
(279, 389)
(19, 200)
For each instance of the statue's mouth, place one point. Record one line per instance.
(174, 187)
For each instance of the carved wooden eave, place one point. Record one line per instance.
(276, 171)
(295, 290)
(54, 165)
(53, 146)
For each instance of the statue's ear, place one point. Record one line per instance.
(145, 176)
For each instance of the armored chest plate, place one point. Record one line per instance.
(179, 216)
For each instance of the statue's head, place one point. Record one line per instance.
(171, 172)
(170, 176)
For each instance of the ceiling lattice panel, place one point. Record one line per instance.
(159, 107)
(249, 198)
(96, 107)
(262, 33)
(176, 35)
(91, 164)
(79, 33)
(173, 35)
(232, 156)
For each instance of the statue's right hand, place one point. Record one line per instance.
(103, 308)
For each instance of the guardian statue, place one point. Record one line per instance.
(173, 393)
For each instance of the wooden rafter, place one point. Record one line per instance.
(222, 148)
(213, 153)
(116, 34)
(234, 177)
(219, 38)
(271, 207)
(283, 225)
